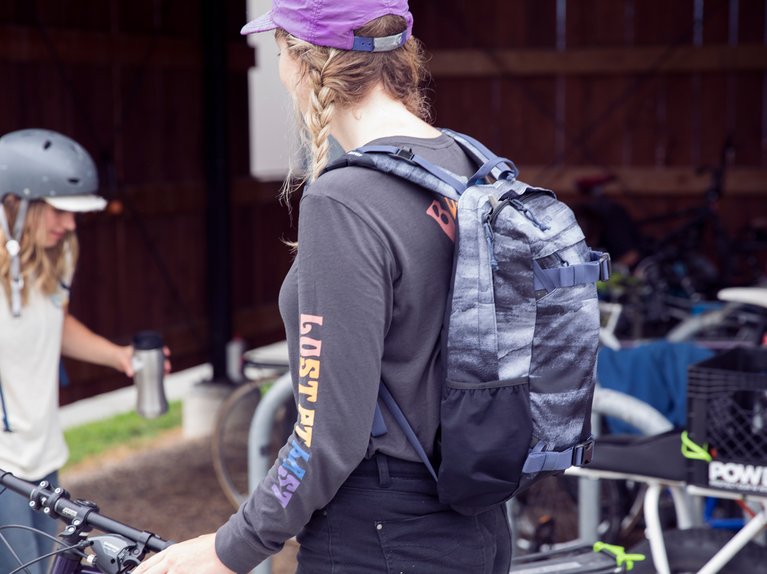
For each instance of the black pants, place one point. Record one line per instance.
(386, 519)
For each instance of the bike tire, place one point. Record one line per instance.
(689, 550)
(229, 440)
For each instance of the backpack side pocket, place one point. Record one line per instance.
(486, 435)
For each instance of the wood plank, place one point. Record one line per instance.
(748, 137)
(530, 125)
(663, 21)
(715, 105)
(607, 29)
(751, 22)
(27, 44)
(158, 198)
(631, 60)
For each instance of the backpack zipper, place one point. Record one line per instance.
(519, 204)
(489, 235)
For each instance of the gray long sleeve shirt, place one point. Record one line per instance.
(364, 302)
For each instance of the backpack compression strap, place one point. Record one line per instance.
(598, 269)
(539, 460)
(386, 397)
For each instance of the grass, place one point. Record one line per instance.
(124, 430)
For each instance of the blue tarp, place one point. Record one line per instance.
(655, 373)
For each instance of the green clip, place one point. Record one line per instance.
(619, 554)
(694, 451)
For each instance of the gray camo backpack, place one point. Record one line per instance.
(521, 330)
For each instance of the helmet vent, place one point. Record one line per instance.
(47, 144)
(74, 181)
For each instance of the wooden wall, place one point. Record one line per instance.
(567, 88)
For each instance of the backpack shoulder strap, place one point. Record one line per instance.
(491, 164)
(404, 163)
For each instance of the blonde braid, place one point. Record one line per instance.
(322, 106)
(340, 79)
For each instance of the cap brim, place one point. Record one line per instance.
(261, 24)
(77, 203)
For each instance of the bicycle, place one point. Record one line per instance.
(229, 439)
(679, 272)
(689, 548)
(120, 549)
(727, 398)
(557, 511)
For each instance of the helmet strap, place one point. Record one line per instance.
(13, 247)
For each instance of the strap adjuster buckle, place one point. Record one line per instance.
(405, 154)
(583, 452)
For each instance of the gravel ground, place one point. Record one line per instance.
(169, 489)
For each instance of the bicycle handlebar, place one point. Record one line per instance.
(55, 502)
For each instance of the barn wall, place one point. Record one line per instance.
(645, 91)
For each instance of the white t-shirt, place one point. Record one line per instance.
(30, 349)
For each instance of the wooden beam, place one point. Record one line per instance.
(669, 181)
(597, 61)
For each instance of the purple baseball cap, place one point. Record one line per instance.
(332, 23)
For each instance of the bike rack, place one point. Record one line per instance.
(259, 461)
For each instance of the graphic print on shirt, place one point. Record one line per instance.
(443, 211)
(293, 467)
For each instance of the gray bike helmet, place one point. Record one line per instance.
(42, 165)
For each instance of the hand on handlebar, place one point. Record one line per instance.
(195, 555)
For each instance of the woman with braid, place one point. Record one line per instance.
(362, 304)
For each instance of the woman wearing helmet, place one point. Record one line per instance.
(45, 178)
(364, 302)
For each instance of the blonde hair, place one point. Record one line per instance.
(341, 79)
(42, 268)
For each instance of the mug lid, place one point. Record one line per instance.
(145, 340)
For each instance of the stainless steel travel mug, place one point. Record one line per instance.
(149, 372)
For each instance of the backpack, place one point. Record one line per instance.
(521, 330)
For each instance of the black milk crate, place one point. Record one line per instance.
(727, 411)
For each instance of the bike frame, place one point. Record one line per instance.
(654, 528)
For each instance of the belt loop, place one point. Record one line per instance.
(384, 478)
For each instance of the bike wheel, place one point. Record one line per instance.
(229, 442)
(689, 550)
